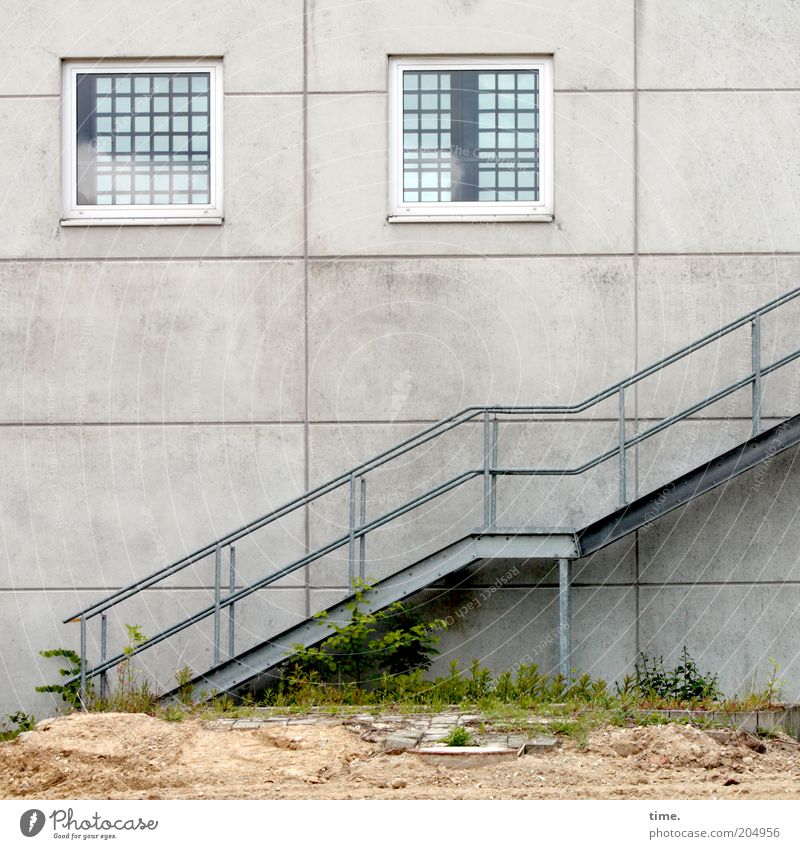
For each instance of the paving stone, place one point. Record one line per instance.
(500, 740)
(246, 724)
(220, 724)
(721, 735)
(540, 744)
(310, 720)
(515, 741)
(396, 743)
(431, 739)
(460, 757)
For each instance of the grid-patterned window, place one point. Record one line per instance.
(142, 142)
(472, 139)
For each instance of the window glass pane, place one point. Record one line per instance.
(426, 137)
(140, 143)
(470, 135)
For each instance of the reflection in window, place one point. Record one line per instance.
(470, 135)
(143, 139)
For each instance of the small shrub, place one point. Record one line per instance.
(130, 694)
(23, 722)
(684, 684)
(760, 696)
(172, 714)
(360, 653)
(70, 693)
(183, 678)
(459, 736)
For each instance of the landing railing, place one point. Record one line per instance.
(355, 480)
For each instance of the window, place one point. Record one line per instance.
(142, 142)
(471, 139)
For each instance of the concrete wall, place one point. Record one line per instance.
(161, 385)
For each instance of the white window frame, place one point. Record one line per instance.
(541, 210)
(80, 215)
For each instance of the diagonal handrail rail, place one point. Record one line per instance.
(430, 433)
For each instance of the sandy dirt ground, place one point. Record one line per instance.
(132, 756)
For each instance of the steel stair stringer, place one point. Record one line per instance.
(249, 665)
(509, 544)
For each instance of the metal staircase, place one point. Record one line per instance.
(489, 542)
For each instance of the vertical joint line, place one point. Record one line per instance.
(306, 425)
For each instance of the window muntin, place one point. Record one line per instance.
(471, 138)
(143, 141)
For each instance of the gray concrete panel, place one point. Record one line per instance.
(262, 43)
(730, 630)
(101, 507)
(152, 342)
(719, 171)
(539, 331)
(718, 44)
(592, 40)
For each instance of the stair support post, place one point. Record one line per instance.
(623, 470)
(565, 616)
(493, 504)
(82, 693)
(362, 542)
(217, 591)
(351, 551)
(103, 652)
(755, 344)
(231, 591)
(487, 486)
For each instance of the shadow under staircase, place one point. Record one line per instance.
(489, 542)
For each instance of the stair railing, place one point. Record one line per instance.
(355, 480)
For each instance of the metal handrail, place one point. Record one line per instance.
(489, 471)
(414, 441)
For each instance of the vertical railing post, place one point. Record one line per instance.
(82, 693)
(493, 516)
(351, 554)
(487, 487)
(103, 653)
(623, 471)
(231, 591)
(362, 543)
(755, 346)
(565, 616)
(217, 591)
